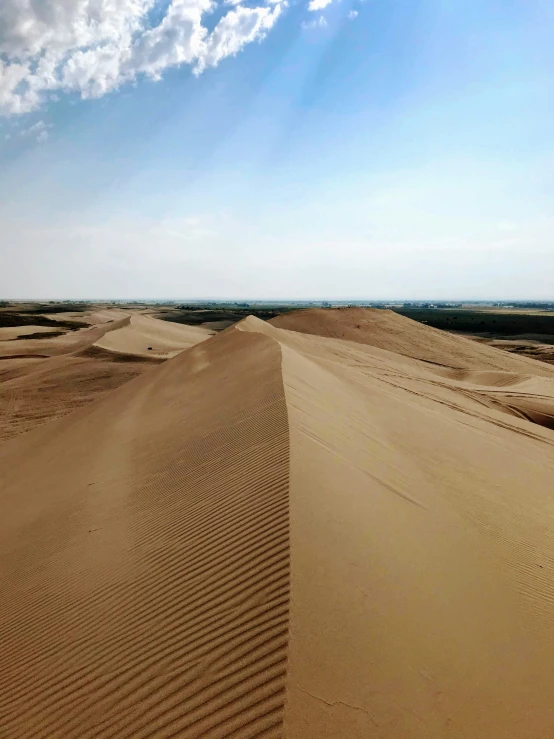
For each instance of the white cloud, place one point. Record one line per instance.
(318, 4)
(353, 14)
(38, 131)
(318, 23)
(237, 28)
(91, 47)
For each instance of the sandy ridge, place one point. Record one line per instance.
(166, 605)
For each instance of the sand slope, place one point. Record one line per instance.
(277, 534)
(42, 379)
(10, 333)
(94, 315)
(422, 599)
(146, 591)
(35, 391)
(146, 336)
(386, 329)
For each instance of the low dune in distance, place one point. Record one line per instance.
(46, 377)
(334, 525)
(388, 330)
(145, 336)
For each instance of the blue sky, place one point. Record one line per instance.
(357, 150)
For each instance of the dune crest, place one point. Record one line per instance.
(285, 534)
(150, 587)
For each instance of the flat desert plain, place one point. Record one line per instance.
(338, 524)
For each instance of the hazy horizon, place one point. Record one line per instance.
(277, 300)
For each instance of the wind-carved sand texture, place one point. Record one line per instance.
(285, 534)
(151, 582)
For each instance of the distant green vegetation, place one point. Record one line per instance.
(51, 307)
(9, 318)
(467, 320)
(194, 315)
(39, 335)
(482, 322)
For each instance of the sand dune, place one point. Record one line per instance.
(69, 342)
(146, 336)
(35, 391)
(45, 378)
(9, 333)
(386, 329)
(285, 534)
(94, 316)
(167, 572)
